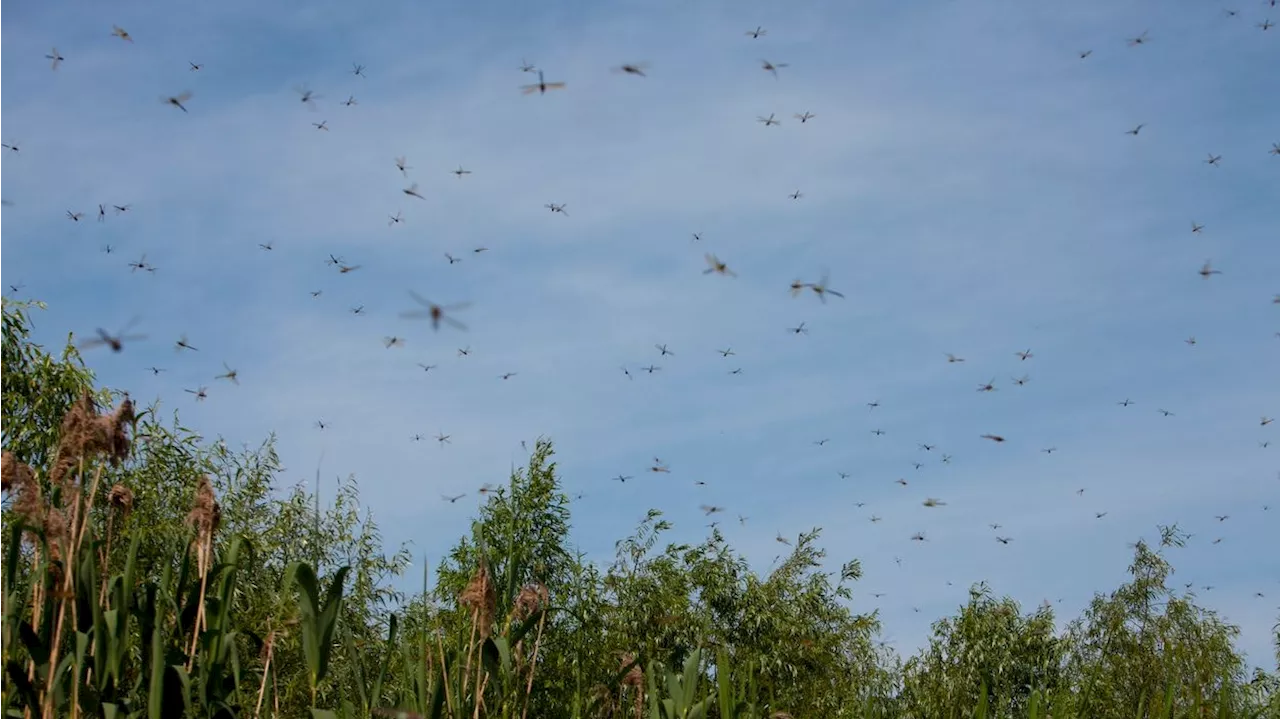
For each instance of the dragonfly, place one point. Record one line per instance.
(306, 96)
(718, 267)
(821, 289)
(710, 509)
(526, 66)
(1022, 381)
(231, 374)
(121, 208)
(183, 344)
(435, 312)
(1135, 130)
(556, 208)
(796, 195)
(427, 367)
(358, 70)
(659, 467)
(805, 116)
(541, 86)
(351, 100)
(1266, 25)
(758, 33)
(443, 438)
(451, 258)
(102, 213)
(195, 67)
(322, 125)
(799, 329)
(395, 219)
(988, 386)
(1207, 269)
(1025, 355)
(141, 264)
(393, 341)
(768, 120)
(772, 67)
(321, 424)
(727, 352)
(460, 172)
(636, 68)
(74, 216)
(116, 341)
(344, 269)
(1004, 540)
(55, 57)
(508, 375)
(412, 191)
(933, 502)
(953, 359)
(12, 146)
(177, 100)
(663, 349)
(1196, 228)
(201, 393)
(121, 33)
(402, 166)
(1084, 53)
(1213, 160)
(453, 499)
(1139, 40)
(993, 437)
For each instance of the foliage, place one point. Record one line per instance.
(147, 573)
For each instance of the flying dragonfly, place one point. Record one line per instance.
(141, 264)
(659, 467)
(121, 33)
(200, 393)
(821, 289)
(1195, 228)
(306, 96)
(805, 116)
(1025, 355)
(322, 125)
(402, 166)
(1207, 269)
(358, 70)
(988, 386)
(460, 172)
(1213, 160)
(768, 120)
(55, 57)
(426, 367)
(443, 438)
(102, 213)
(526, 66)
(1126, 402)
(12, 146)
(663, 349)
(710, 509)
(541, 86)
(651, 368)
(344, 269)
(758, 33)
(121, 208)
(556, 208)
(727, 352)
(1084, 53)
(772, 67)
(1266, 25)
(454, 498)
(395, 219)
(993, 437)
(177, 100)
(451, 258)
(393, 341)
(932, 502)
(1022, 381)
(718, 267)
(953, 359)
(636, 68)
(351, 100)
(74, 216)
(435, 312)
(412, 191)
(796, 195)
(116, 341)
(230, 374)
(799, 329)
(1135, 130)
(182, 344)
(195, 67)
(1139, 40)
(464, 351)
(1275, 148)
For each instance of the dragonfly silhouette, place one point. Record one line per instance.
(435, 312)
(805, 116)
(541, 86)
(460, 172)
(556, 208)
(772, 67)
(116, 341)
(307, 96)
(767, 120)
(633, 68)
(55, 57)
(177, 100)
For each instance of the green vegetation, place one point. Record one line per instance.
(146, 574)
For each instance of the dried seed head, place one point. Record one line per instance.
(114, 429)
(205, 514)
(634, 676)
(780, 715)
(15, 475)
(77, 438)
(55, 526)
(121, 499)
(479, 596)
(532, 597)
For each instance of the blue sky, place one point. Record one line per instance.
(967, 181)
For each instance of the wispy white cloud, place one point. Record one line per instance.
(967, 181)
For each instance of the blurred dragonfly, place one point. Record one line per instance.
(358, 70)
(412, 191)
(116, 341)
(541, 86)
(1213, 160)
(460, 172)
(659, 467)
(718, 267)
(1206, 270)
(200, 393)
(141, 264)
(772, 67)
(74, 216)
(230, 374)
(322, 125)
(805, 116)
(55, 57)
(393, 341)
(799, 329)
(12, 146)
(821, 289)
(121, 33)
(195, 67)
(435, 312)
(183, 344)
(526, 66)
(758, 33)
(177, 100)
(402, 166)
(307, 96)
(1139, 40)
(637, 68)
(395, 219)
(556, 208)
(767, 120)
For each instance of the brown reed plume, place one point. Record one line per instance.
(204, 518)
